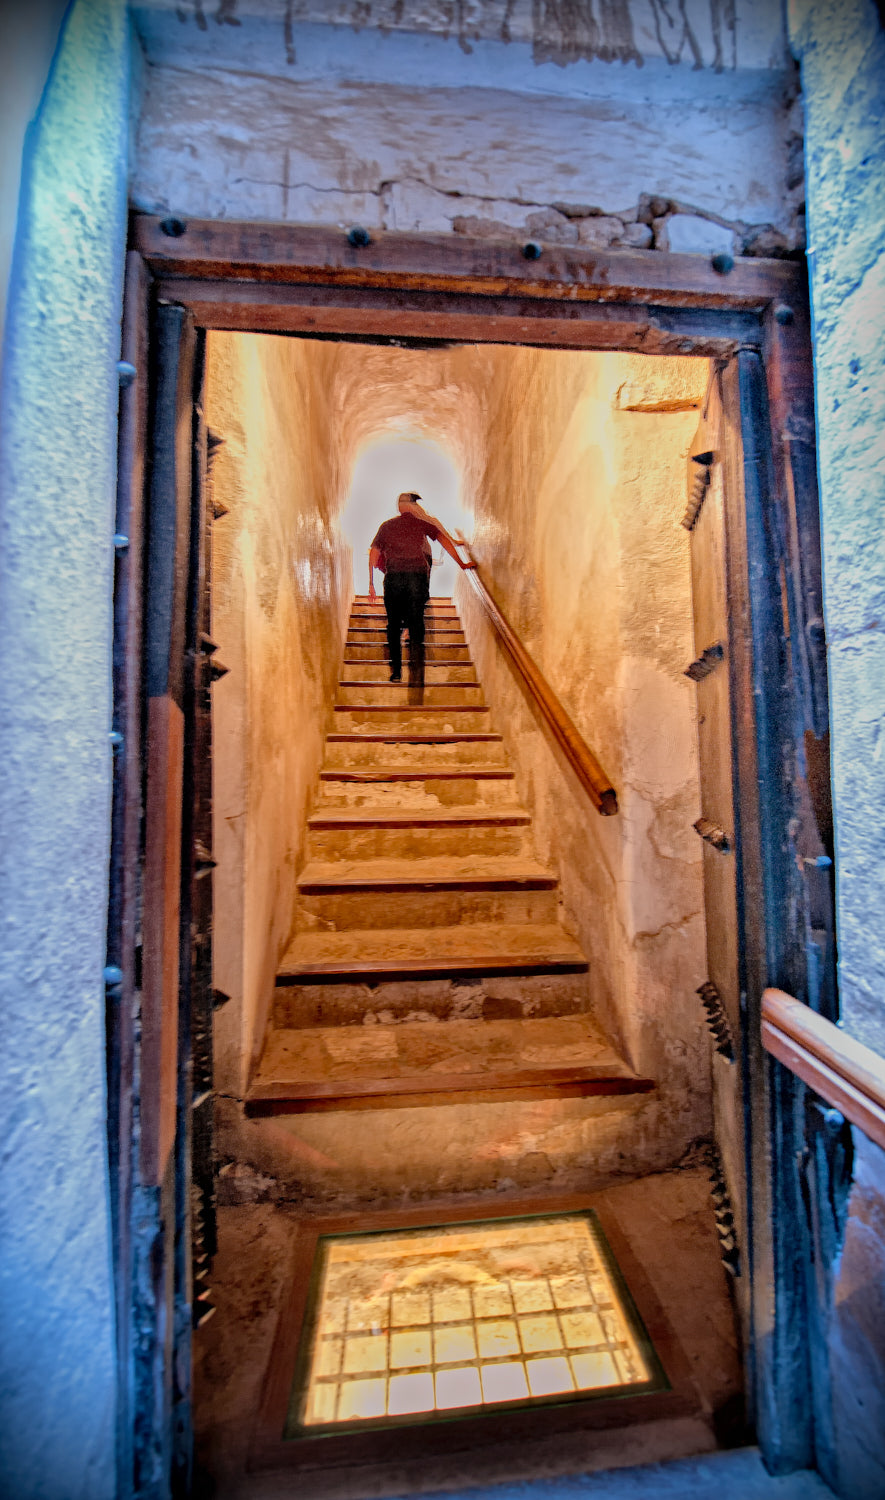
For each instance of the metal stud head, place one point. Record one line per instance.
(121, 542)
(783, 314)
(173, 227)
(358, 237)
(722, 262)
(532, 250)
(126, 372)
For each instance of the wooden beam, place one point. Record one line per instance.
(223, 250)
(389, 315)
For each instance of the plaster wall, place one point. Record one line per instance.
(841, 48)
(58, 410)
(577, 533)
(280, 592)
(574, 467)
(648, 127)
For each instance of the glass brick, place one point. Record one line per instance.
(410, 1393)
(453, 1344)
(497, 1339)
(549, 1377)
(458, 1387)
(504, 1383)
(360, 1399)
(539, 1334)
(594, 1370)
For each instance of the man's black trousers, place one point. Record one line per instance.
(405, 595)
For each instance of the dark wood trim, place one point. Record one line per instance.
(475, 1432)
(127, 867)
(394, 315)
(218, 250)
(769, 907)
(848, 1075)
(548, 708)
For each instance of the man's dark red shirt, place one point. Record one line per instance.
(401, 544)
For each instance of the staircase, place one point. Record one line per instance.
(421, 902)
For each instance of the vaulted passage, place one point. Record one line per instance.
(455, 987)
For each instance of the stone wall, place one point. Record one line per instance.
(58, 412)
(653, 126)
(280, 591)
(841, 47)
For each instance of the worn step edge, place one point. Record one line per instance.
(519, 966)
(399, 1093)
(314, 885)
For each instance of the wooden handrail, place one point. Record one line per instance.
(575, 748)
(850, 1076)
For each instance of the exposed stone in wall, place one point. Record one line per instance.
(857, 1334)
(388, 126)
(842, 47)
(58, 1374)
(280, 585)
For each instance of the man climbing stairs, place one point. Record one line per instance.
(421, 901)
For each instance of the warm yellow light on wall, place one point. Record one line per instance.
(465, 1316)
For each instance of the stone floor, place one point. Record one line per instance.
(740, 1475)
(668, 1222)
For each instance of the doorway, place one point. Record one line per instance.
(746, 386)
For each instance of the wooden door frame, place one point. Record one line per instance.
(753, 317)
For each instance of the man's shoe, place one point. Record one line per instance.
(396, 676)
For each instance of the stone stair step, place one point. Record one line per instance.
(359, 671)
(374, 635)
(390, 1066)
(357, 652)
(367, 776)
(359, 693)
(486, 948)
(425, 718)
(448, 873)
(354, 833)
(423, 893)
(395, 817)
(405, 748)
(419, 787)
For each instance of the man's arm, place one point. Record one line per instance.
(445, 540)
(374, 562)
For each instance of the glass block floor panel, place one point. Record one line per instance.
(429, 1323)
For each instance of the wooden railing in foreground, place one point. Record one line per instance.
(566, 734)
(850, 1076)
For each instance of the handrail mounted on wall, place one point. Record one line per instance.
(562, 727)
(850, 1076)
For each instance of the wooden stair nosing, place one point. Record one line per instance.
(409, 737)
(371, 774)
(374, 682)
(404, 708)
(417, 817)
(330, 885)
(400, 1093)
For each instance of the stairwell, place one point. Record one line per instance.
(421, 902)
